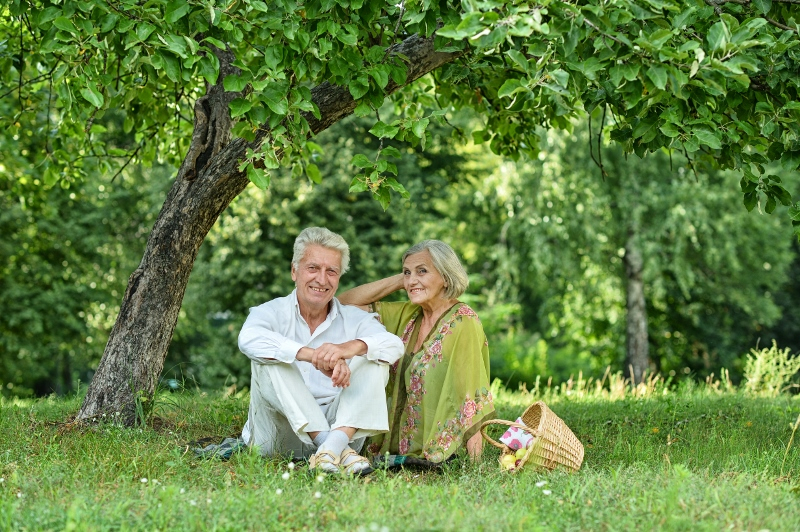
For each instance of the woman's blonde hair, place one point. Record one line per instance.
(446, 263)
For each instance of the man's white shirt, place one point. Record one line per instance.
(275, 331)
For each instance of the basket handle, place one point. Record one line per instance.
(502, 446)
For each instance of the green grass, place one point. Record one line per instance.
(695, 458)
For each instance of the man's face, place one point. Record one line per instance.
(317, 277)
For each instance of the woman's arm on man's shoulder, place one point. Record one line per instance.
(366, 294)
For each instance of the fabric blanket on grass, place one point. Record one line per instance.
(223, 450)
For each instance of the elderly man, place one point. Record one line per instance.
(319, 368)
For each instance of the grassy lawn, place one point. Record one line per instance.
(697, 458)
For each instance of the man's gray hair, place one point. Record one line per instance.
(321, 237)
(446, 263)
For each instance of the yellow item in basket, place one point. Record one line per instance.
(553, 443)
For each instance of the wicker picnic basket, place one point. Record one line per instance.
(553, 444)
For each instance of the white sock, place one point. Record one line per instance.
(320, 438)
(335, 443)
(351, 466)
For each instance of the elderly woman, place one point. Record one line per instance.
(438, 392)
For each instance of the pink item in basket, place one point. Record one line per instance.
(516, 438)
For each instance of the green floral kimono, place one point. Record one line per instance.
(438, 397)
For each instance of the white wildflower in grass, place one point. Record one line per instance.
(2, 480)
(19, 495)
(278, 491)
(320, 478)
(317, 495)
(193, 503)
(285, 476)
(183, 490)
(208, 501)
(291, 465)
(144, 481)
(541, 483)
(547, 492)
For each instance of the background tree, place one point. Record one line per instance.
(701, 264)
(679, 75)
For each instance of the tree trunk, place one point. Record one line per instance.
(637, 358)
(206, 183)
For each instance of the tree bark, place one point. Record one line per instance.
(637, 359)
(208, 180)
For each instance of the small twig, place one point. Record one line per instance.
(689, 160)
(596, 28)
(21, 68)
(599, 142)
(380, 146)
(786, 454)
(47, 134)
(591, 148)
(779, 25)
(400, 16)
(133, 155)
(446, 121)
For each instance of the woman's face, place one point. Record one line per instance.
(422, 281)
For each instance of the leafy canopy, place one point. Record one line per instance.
(711, 78)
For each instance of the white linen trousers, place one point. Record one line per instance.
(283, 411)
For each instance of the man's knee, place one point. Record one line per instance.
(361, 368)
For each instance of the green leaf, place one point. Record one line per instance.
(206, 68)
(240, 106)
(763, 5)
(419, 127)
(669, 130)
(708, 138)
(380, 74)
(362, 109)
(65, 24)
(236, 82)
(258, 176)
(561, 77)
(750, 200)
(658, 75)
(243, 130)
(382, 130)
(383, 197)
(92, 95)
(770, 206)
(275, 100)
(50, 177)
(361, 161)
(216, 42)
(659, 38)
(718, 36)
(630, 71)
(176, 10)
(391, 151)
(347, 38)
(358, 185)
(48, 14)
(143, 30)
(518, 58)
(358, 87)
(509, 87)
(172, 66)
(643, 127)
(313, 173)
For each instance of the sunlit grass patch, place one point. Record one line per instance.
(695, 457)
